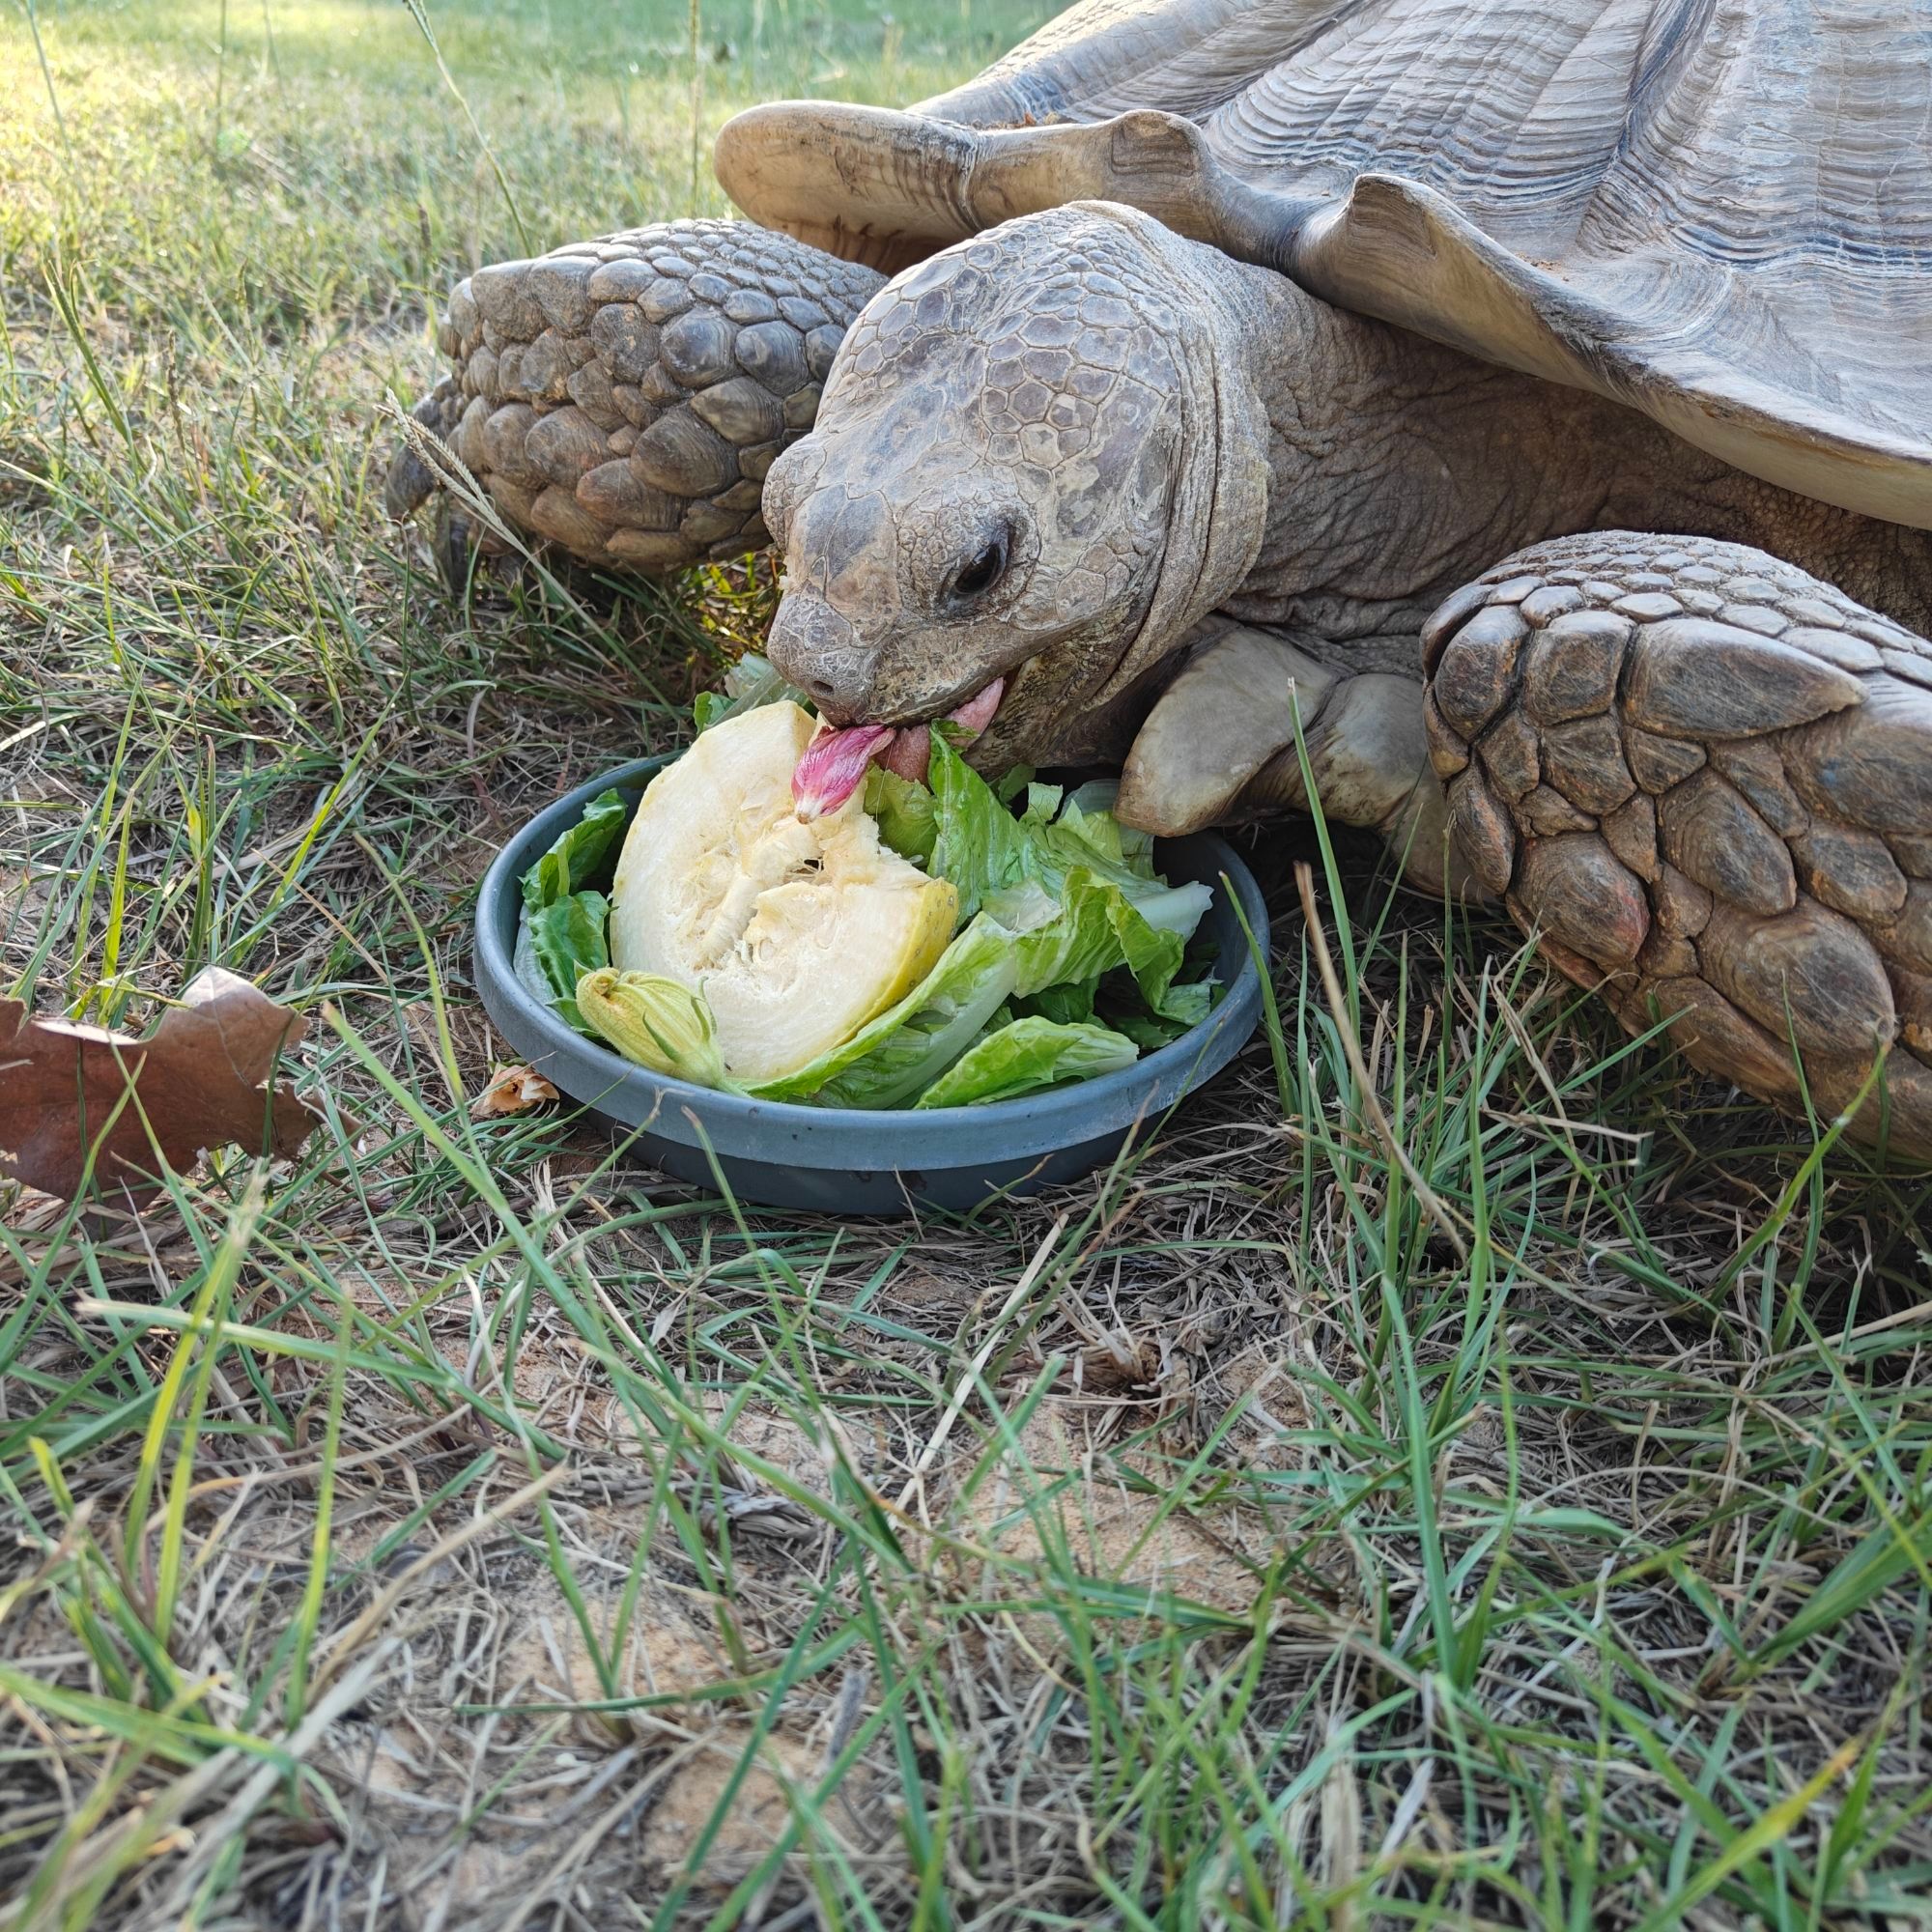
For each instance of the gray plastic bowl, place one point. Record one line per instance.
(848, 1163)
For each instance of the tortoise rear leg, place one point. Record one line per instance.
(622, 399)
(1703, 779)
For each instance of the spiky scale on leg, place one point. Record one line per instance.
(1745, 851)
(624, 398)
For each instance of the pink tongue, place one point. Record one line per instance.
(909, 754)
(977, 713)
(834, 764)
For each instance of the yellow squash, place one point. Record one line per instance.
(796, 932)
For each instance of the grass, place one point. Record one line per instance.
(465, 1526)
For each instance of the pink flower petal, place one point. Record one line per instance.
(977, 713)
(833, 766)
(909, 754)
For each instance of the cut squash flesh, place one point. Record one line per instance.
(795, 930)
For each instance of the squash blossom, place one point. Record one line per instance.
(654, 1022)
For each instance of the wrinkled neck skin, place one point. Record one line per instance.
(1399, 469)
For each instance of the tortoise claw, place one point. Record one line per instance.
(452, 543)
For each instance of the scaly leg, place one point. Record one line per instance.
(1704, 779)
(1219, 745)
(624, 398)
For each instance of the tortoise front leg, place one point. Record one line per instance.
(1220, 745)
(1703, 779)
(624, 398)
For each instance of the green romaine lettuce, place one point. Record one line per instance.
(904, 810)
(576, 853)
(989, 855)
(1187, 1005)
(1066, 1004)
(1086, 817)
(561, 934)
(566, 941)
(753, 680)
(1147, 1030)
(977, 844)
(1099, 928)
(1027, 1055)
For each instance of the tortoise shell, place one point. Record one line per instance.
(1717, 212)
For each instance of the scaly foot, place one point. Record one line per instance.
(1704, 779)
(624, 398)
(1221, 745)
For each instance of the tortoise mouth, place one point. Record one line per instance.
(835, 763)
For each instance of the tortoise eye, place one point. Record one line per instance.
(983, 571)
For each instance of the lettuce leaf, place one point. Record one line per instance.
(1028, 1053)
(1088, 819)
(1100, 930)
(576, 854)
(561, 934)
(1065, 1004)
(1187, 1005)
(991, 857)
(566, 941)
(753, 680)
(977, 844)
(904, 810)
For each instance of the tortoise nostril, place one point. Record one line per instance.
(814, 649)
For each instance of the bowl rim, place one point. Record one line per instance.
(1057, 1117)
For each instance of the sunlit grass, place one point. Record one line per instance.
(465, 1526)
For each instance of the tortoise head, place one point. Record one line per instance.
(1039, 458)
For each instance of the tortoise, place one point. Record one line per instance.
(1528, 402)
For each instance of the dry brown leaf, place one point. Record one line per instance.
(512, 1089)
(200, 1079)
